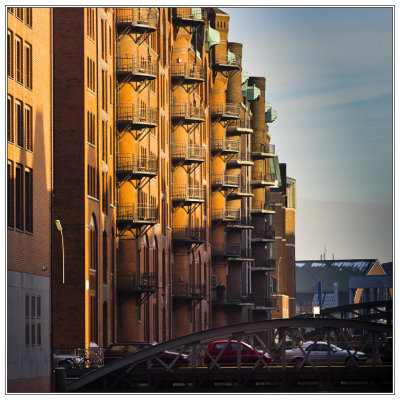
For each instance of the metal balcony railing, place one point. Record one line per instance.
(227, 60)
(140, 18)
(188, 152)
(136, 213)
(188, 233)
(263, 177)
(242, 124)
(187, 72)
(189, 290)
(131, 113)
(188, 193)
(226, 249)
(225, 110)
(132, 65)
(231, 297)
(259, 205)
(225, 145)
(188, 112)
(137, 282)
(195, 15)
(264, 148)
(137, 165)
(225, 180)
(267, 264)
(240, 158)
(267, 232)
(226, 214)
(240, 223)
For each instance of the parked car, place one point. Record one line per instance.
(317, 353)
(118, 350)
(248, 354)
(68, 361)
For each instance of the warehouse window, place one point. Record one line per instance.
(20, 13)
(28, 65)
(10, 119)
(28, 200)
(10, 54)
(19, 195)
(19, 123)
(29, 17)
(10, 195)
(20, 59)
(28, 128)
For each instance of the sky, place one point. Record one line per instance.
(329, 76)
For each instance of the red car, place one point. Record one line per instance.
(248, 354)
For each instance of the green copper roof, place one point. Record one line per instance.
(245, 76)
(270, 114)
(196, 13)
(212, 37)
(231, 57)
(267, 106)
(253, 92)
(274, 168)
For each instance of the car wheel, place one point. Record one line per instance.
(297, 362)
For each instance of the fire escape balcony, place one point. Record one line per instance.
(186, 73)
(188, 234)
(260, 179)
(262, 150)
(187, 113)
(241, 223)
(225, 181)
(225, 111)
(265, 265)
(188, 194)
(135, 215)
(135, 282)
(242, 125)
(262, 207)
(226, 214)
(189, 16)
(188, 153)
(130, 166)
(225, 146)
(227, 61)
(188, 291)
(131, 116)
(222, 249)
(130, 68)
(265, 304)
(231, 297)
(137, 19)
(240, 159)
(263, 235)
(242, 191)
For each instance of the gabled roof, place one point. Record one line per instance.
(388, 268)
(310, 272)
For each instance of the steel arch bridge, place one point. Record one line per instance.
(144, 371)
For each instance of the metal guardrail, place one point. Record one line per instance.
(135, 164)
(231, 297)
(224, 60)
(188, 152)
(187, 111)
(262, 205)
(266, 264)
(186, 71)
(226, 249)
(189, 290)
(137, 282)
(136, 213)
(242, 123)
(188, 233)
(264, 233)
(195, 14)
(243, 156)
(187, 193)
(132, 113)
(258, 147)
(229, 214)
(227, 110)
(225, 145)
(144, 17)
(225, 180)
(263, 176)
(136, 66)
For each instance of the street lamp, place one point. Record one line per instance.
(59, 227)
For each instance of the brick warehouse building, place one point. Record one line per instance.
(176, 214)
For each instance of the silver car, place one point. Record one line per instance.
(316, 353)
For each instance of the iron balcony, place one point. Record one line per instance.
(242, 191)
(232, 297)
(190, 153)
(188, 234)
(265, 265)
(265, 234)
(189, 16)
(136, 214)
(221, 249)
(222, 61)
(136, 282)
(186, 73)
(239, 159)
(261, 150)
(188, 113)
(225, 180)
(262, 207)
(136, 167)
(263, 179)
(132, 69)
(189, 194)
(225, 146)
(226, 214)
(242, 125)
(189, 291)
(241, 223)
(137, 19)
(265, 304)
(135, 117)
(225, 111)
